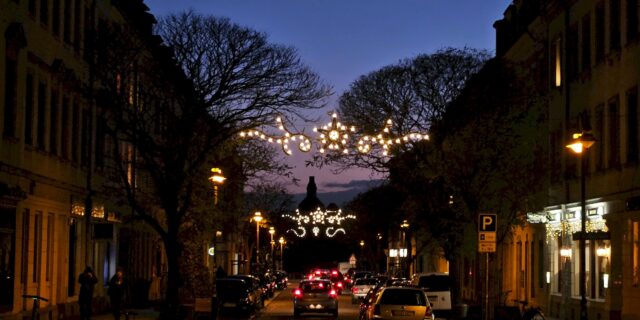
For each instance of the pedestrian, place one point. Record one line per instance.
(116, 292)
(87, 281)
(220, 273)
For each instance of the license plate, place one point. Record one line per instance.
(402, 313)
(316, 306)
(229, 304)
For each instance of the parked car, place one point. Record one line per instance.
(399, 303)
(238, 294)
(268, 284)
(437, 286)
(281, 279)
(369, 299)
(315, 296)
(255, 287)
(357, 275)
(360, 288)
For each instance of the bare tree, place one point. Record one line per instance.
(171, 113)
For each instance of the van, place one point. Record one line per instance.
(437, 287)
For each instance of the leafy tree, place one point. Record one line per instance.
(171, 113)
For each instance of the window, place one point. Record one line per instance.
(55, 15)
(49, 262)
(614, 24)
(572, 53)
(32, 8)
(85, 138)
(635, 242)
(24, 270)
(44, 12)
(28, 111)
(75, 132)
(599, 32)
(614, 133)
(37, 238)
(53, 127)
(64, 126)
(556, 60)
(599, 132)
(632, 20)
(42, 101)
(632, 125)
(586, 43)
(10, 95)
(601, 267)
(77, 15)
(67, 22)
(71, 271)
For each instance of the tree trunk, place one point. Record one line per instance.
(172, 304)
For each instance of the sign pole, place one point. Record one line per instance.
(487, 228)
(486, 293)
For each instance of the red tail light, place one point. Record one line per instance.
(428, 313)
(333, 293)
(334, 272)
(339, 284)
(354, 290)
(376, 310)
(297, 293)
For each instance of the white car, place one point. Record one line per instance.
(360, 288)
(437, 287)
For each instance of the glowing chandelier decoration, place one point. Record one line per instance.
(337, 137)
(329, 220)
(304, 143)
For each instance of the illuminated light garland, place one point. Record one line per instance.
(385, 141)
(304, 143)
(316, 219)
(334, 136)
(556, 229)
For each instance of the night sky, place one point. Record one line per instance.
(344, 39)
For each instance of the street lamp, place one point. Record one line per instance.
(272, 231)
(404, 227)
(582, 142)
(282, 242)
(217, 178)
(257, 217)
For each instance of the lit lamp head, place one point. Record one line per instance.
(272, 230)
(281, 240)
(405, 224)
(257, 217)
(362, 243)
(581, 141)
(217, 177)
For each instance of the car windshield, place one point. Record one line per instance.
(403, 297)
(315, 287)
(366, 282)
(434, 282)
(229, 285)
(361, 275)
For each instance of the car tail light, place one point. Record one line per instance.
(310, 277)
(333, 293)
(317, 271)
(334, 272)
(297, 293)
(376, 310)
(339, 284)
(354, 290)
(428, 314)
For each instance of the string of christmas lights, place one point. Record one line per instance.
(317, 219)
(385, 141)
(304, 143)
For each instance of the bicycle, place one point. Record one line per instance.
(35, 312)
(531, 313)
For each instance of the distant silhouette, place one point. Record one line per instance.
(116, 293)
(87, 281)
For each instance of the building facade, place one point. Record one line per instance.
(592, 69)
(54, 217)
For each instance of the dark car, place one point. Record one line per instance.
(236, 293)
(315, 296)
(255, 286)
(281, 280)
(268, 284)
(337, 281)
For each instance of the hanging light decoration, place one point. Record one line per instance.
(329, 220)
(304, 143)
(385, 140)
(334, 136)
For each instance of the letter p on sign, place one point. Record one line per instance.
(488, 222)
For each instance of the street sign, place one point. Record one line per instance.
(352, 260)
(487, 226)
(486, 247)
(487, 236)
(487, 222)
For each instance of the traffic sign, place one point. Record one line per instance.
(486, 247)
(486, 236)
(487, 222)
(352, 260)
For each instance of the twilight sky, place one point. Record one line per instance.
(344, 39)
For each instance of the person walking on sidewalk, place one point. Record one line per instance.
(87, 281)
(116, 293)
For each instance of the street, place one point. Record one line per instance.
(280, 307)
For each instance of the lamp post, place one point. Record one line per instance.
(282, 242)
(272, 231)
(405, 227)
(217, 178)
(257, 217)
(580, 145)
